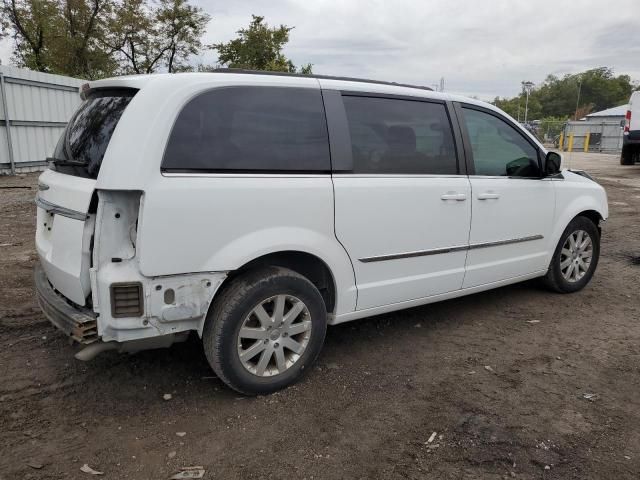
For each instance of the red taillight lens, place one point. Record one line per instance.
(627, 121)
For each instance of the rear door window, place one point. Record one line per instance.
(250, 129)
(82, 146)
(394, 136)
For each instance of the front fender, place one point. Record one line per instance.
(570, 204)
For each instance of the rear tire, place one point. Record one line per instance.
(264, 330)
(575, 258)
(627, 157)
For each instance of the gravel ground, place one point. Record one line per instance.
(516, 383)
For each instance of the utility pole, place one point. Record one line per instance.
(575, 116)
(527, 86)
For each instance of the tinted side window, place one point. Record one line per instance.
(250, 129)
(498, 148)
(400, 136)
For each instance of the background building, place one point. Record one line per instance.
(598, 131)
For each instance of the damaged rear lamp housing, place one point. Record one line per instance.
(126, 300)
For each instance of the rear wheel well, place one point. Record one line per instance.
(306, 264)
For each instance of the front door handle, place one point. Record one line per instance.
(460, 197)
(488, 196)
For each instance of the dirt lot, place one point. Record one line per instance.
(381, 387)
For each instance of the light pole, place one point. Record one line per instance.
(575, 116)
(527, 86)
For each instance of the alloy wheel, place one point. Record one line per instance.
(274, 335)
(576, 255)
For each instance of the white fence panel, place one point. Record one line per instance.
(38, 106)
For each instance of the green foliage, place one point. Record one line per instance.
(259, 47)
(57, 37)
(557, 97)
(98, 38)
(145, 38)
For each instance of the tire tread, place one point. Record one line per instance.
(229, 299)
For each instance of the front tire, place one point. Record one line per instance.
(264, 330)
(575, 258)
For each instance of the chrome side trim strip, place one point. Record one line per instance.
(419, 253)
(505, 242)
(457, 248)
(58, 210)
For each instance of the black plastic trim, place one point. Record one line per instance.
(320, 77)
(76, 322)
(461, 155)
(392, 96)
(339, 134)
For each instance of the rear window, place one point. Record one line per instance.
(84, 141)
(250, 129)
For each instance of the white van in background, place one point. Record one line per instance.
(631, 134)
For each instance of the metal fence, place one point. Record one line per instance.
(593, 136)
(34, 109)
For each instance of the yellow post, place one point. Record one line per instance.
(570, 146)
(561, 141)
(586, 141)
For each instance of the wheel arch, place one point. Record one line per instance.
(590, 211)
(312, 267)
(306, 264)
(593, 215)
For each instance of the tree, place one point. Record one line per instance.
(78, 52)
(98, 38)
(30, 24)
(597, 89)
(146, 39)
(259, 47)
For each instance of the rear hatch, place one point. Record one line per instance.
(66, 210)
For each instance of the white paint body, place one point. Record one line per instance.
(193, 229)
(634, 108)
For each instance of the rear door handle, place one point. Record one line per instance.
(460, 197)
(488, 196)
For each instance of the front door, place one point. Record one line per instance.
(403, 210)
(513, 207)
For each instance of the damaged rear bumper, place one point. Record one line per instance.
(78, 323)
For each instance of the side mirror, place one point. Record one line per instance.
(552, 164)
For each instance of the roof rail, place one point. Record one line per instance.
(325, 77)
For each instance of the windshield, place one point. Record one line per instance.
(84, 141)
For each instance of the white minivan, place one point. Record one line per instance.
(256, 209)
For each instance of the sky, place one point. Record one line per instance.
(484, 48)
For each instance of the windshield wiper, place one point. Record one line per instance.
(64, 163)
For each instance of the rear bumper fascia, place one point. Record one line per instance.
(78, 323)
